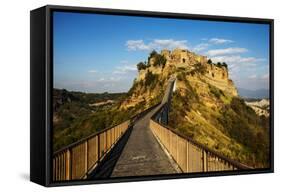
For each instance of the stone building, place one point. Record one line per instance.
(186, 59)
(182, 57)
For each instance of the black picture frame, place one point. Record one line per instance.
(41, 84)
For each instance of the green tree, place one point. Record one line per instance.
(160, 60)
(141, 66)
(224, 64)
(209, 61)
(152, 54)
(150, 79)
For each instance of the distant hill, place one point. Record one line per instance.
(258, 94)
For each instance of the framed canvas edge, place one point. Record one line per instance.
(49, 86)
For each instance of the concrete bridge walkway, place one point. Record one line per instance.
(142, 154)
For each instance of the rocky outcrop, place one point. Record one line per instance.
(260, 107)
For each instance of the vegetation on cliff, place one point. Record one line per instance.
(220, 121)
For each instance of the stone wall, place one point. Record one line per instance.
(186, 59)
(183, 57)
(218, 73)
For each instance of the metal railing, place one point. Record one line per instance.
(76, 160)
(190, 155)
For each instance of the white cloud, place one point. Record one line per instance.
(92, 71)
(236, 59)
(209, 42)
(220, 41)
(109, 79)
(134, 45)
(158, 44)
(124, 61)
(201, 47)
(253, 77)
(168, 44)
(226, 51)
(266, 76)
(101, 80)
(125, 69)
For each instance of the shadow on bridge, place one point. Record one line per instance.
(108, 164)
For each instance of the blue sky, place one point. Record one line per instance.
(98, 53)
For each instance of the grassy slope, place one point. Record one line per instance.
(222, 122)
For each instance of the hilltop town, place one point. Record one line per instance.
(179, 62)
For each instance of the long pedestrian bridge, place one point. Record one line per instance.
(141, 146)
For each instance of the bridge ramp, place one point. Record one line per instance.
(143, 154)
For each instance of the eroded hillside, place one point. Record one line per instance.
(205, 104)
